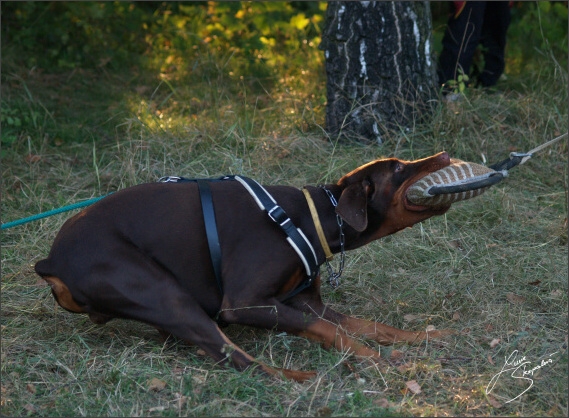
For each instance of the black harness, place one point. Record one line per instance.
(266, 202)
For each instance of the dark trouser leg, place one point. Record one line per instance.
(460, 40)
(494, 29)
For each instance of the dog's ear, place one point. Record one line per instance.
(352, 206)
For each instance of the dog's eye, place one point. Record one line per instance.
(399, 167)
(368, 183)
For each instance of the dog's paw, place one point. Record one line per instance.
(440, 333)
(298, 375)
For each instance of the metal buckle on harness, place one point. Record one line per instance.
(169, 179)
(278, 215)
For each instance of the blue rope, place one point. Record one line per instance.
(52, 212)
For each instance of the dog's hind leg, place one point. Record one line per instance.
(62, 295)
(152, 295)
(183, 318)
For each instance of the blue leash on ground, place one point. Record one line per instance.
(52, 212)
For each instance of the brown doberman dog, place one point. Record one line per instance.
(142, 253)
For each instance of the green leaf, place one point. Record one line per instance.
(300, 21)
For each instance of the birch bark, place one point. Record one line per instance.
(380, 74)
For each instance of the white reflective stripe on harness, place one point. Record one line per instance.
(296, 240)
(250, 190)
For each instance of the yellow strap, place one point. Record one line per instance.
(318, 226)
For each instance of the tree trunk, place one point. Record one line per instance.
(380, 76)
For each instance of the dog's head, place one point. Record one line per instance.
(373, 199)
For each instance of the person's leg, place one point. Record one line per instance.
(460, 40)
(494, 29)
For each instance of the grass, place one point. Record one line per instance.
(493, 268)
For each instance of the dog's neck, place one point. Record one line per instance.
(328, 218)
(327, 213)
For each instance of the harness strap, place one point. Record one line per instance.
(265, 201)
(295, 236)
(211, 229)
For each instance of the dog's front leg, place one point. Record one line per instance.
(383, 334)
(276, 315)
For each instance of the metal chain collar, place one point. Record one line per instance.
(333, 276)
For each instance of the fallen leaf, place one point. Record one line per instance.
(348, 365)
(200, 380)
(513, 298)
(31, 388)
(536, 283)
(489, 327)
(490, 359)
(554, 412)
(430, 328)
(157, 409)
(16, 186)
(410, 317)
(30, 408)
(455, 244)
(200, 352)
(396, 354)
(181, 399)
(324, 412)
(381, 402)
(104, 61)
(556, 293)
(494, 342)
(141, 89)
(32, 158)
(156, 385)
(404, 367)
(456, 316)
(413, 386)
(492, 401)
